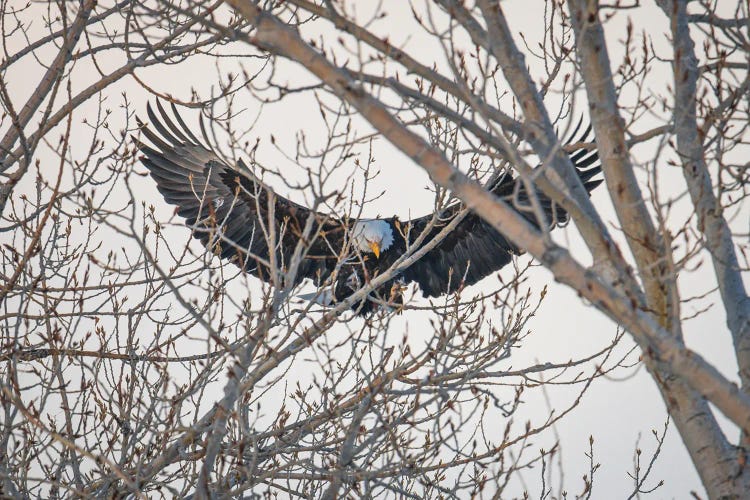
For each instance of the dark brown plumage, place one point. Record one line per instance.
(233, 214)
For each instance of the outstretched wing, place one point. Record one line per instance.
(232, 213)
(474, 249)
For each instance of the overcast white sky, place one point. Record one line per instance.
(615, 412)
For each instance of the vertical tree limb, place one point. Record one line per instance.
(707, 207)
(706, 443)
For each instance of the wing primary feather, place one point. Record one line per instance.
(573, 134)
(184, 128)
(160, 127)
(584, 161)
(586, 175)
(156, 140)
(576, 157)
(172, 127)
(204, 133)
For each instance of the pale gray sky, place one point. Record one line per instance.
(615, 411)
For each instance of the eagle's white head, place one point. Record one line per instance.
(372, 236)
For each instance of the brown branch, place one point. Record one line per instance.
(273, 35)
(707, 207)
(53, 74)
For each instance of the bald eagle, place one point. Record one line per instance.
(236, 216)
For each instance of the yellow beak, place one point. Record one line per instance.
(375, 248)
